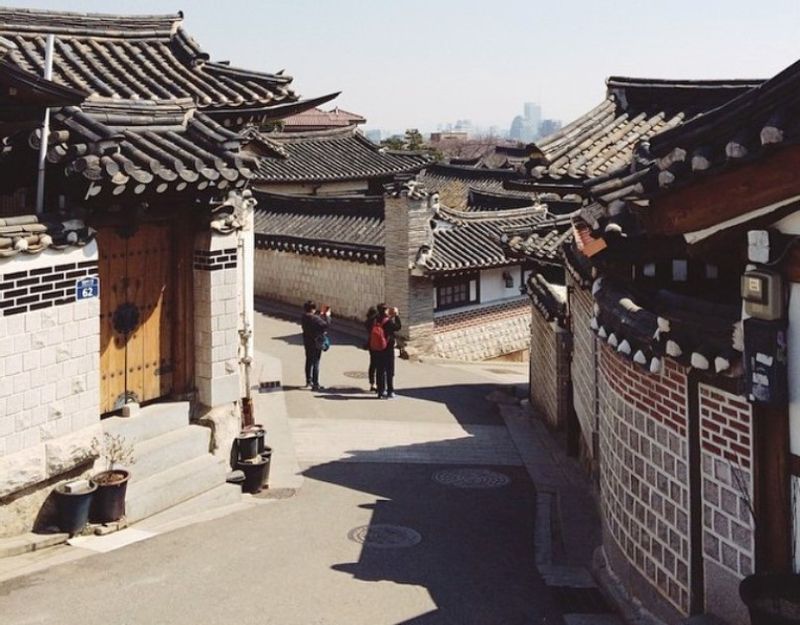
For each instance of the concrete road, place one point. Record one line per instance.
(414, 511)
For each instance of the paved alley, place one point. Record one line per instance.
(413, 511)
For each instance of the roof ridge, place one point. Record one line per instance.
(74, 22)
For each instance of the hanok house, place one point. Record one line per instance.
(688, 343)
(557, 171)
(131, 284)
(317, 119)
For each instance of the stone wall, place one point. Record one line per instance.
(350, 288)
(49, 376)
(483, 332)
(407, 229)
(644, 478)
(584, 366)
(728, 531)
(549, 370)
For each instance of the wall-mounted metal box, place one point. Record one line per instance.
(763, 295)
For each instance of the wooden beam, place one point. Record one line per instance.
(772, 502)
(726, 195)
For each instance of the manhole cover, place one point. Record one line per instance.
(358, 375)
(384, 536)
(471, 478)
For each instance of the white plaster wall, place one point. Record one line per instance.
(493, 285)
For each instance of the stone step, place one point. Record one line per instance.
(25, 543)
(173, 486)
(221, 496)
(149, 422)
(158, 454)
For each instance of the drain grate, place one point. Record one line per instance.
(471, 478)
(356, 375)
(383, 536)
(580, 600)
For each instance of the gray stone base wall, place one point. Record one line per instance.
(584, 367)
(485, 332)
(644, 478)
(350, 288)
(549, 370)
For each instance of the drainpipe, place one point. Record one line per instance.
(48, 75)
(246, 254)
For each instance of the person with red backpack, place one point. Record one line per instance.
(382, 342)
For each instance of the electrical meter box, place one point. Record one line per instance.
(763, 295)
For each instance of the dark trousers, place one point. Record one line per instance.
(385, 371)
(373, 366)
(313, 354)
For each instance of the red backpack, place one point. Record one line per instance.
(377, 336)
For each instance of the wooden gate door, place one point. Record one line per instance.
(136, 310)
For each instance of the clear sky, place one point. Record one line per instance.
(416, 63)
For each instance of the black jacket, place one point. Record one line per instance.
(313, 326)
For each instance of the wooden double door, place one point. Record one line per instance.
(139, 279)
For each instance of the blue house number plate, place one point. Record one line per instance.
(87, 288)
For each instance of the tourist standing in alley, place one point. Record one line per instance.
(372, 314)
(382, 341)
(315, 327)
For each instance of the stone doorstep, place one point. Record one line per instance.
(26, 543)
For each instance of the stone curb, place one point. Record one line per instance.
(26, 543)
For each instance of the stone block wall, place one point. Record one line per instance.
(350, 288)
(484, 332)
(407, 229)
(726, 433)
(49, 376)
(549, 376)
(644, 481)
(584, 365)
(217, 309)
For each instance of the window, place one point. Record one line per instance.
(455, 292)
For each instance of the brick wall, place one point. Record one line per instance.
(584, 368)
(549, 370)
(49, 372)
(483, 332)
(350, 288)
(644, 481)
(727, 460)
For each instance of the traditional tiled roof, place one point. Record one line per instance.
(129, 147)
(29, 234)
(464, 240)
(541, 242)
(328, 156)
(635, 109)
(343, 227)
(140, 57)
(646, 325)
(548, 298)
(741, 130)
(318, 119)
(454, 183)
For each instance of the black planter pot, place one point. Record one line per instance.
(247, 445)
(266, 454)
(73, 508)
(772, 599)
(108, 503)
(253, 474)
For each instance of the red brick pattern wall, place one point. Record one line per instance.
(726, 438)
(584, 370)
(644, 484)
(549, 370)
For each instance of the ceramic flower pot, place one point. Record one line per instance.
(108, 503)
(72, 507)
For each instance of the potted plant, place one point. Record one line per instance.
(108, 504)
(73, 500)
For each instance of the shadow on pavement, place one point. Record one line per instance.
(476, 554)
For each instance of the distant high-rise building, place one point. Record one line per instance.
(522, 130)
(549, 126)
(533, 113)
(374, 135)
